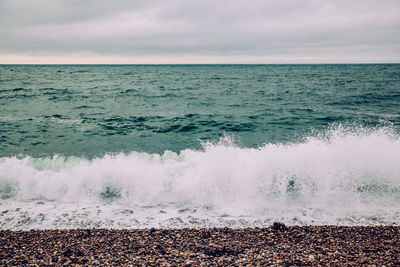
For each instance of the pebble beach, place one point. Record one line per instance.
(276, 245)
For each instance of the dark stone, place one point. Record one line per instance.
(277, 226)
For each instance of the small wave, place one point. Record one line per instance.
(80, 71)
(84, 107)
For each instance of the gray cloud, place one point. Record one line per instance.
(294, 29)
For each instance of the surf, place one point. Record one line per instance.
(341, 176)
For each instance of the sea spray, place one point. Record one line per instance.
(342, 176)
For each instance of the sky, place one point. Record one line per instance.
(199, 31)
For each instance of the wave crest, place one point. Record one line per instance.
(340, 171)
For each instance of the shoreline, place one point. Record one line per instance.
(277, 245)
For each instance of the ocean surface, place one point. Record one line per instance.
(133, 146)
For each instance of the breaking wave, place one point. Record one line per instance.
(344, 176)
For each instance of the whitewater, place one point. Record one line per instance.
(341, 177)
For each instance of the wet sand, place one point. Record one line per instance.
(278, 245)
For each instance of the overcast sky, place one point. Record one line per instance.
(180, 31)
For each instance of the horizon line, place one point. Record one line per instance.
(132, 64)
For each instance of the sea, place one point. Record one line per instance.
(176, 146)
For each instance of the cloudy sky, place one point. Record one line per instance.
(199, 31)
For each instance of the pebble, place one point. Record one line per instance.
(275, 245)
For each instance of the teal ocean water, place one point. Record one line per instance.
(121, 146)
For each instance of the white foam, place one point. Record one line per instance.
(344, 177)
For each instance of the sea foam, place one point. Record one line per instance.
(343, 177)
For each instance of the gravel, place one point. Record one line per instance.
(276, 245)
